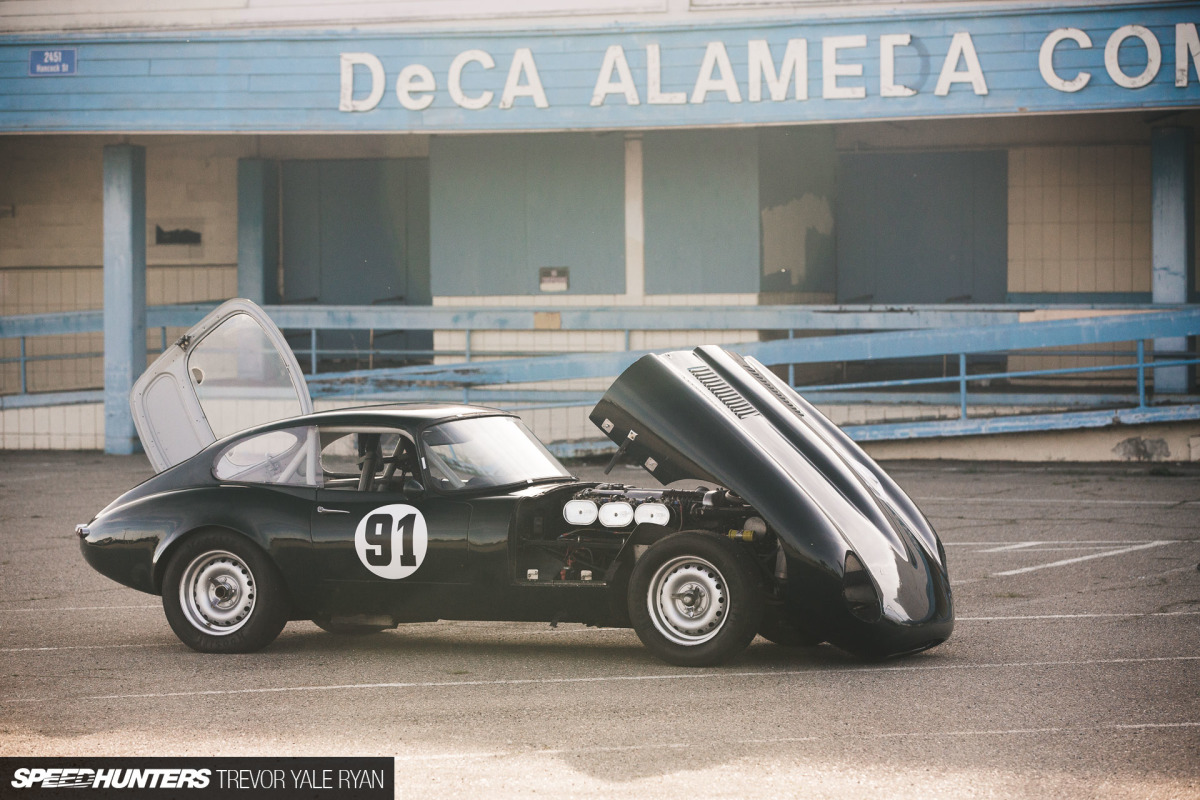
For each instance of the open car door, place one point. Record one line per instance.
(232, 371)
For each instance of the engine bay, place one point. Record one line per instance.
(585, 535)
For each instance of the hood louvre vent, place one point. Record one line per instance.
(770, 387)
(724, 392)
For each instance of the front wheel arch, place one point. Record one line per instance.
(695, 599)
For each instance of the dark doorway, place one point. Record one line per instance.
(356, 232)
(922, 227)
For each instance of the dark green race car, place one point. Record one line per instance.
(772, 521)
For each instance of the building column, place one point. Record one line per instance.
(258, 229)
(1171, 237)
(124, 290)
(635, 221)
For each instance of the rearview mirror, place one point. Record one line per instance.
(413, 490)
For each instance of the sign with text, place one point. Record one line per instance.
(200, 778)
(52, 62)
(1027, 60)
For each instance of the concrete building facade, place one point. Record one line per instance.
(573, 154)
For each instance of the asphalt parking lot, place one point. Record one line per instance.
(1074, 670)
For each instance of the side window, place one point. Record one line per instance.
(366, 460)
(287, 456)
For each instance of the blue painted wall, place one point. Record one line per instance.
(797, 189)
(503, 206)
(922, 227)
(356, 232)
(292, 81)
(700, 191)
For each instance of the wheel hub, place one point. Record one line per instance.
(687, 600)
(217, 593)
(224, 592)
(692, 600)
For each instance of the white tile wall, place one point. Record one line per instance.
(1079, 219)
(77, 427)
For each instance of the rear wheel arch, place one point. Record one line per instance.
(222, 592)
(167, 550)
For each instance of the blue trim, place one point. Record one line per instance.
(990, 426)
(823, 349)
(51, 399)
(462, 381)
(124, 290)
(564, 27)
(637, 318)
(1083, 298)
(1172, 222)
(1025, 423)
(291, 82)
(257, 229)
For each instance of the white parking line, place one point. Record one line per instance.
(777, 740)
(1081, 542)
(1066, 561)
(677, 676)
(83, 647)
(76, 608)
(1058, 549)
(1019, 546)
(1080, 616)
(1056, 501)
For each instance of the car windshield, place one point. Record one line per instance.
(486, 451)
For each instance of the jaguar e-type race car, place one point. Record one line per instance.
(772, 521)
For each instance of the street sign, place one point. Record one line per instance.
(44, 62)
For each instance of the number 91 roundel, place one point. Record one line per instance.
(391, 541)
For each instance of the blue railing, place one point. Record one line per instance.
(848, 334)
(303, 322)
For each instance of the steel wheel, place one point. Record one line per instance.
(217, 593)
(695, 599)
(686, 600)
(222, 594)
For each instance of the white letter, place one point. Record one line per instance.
(831, 69)
(456, 68)
(614, 60)
(715, 58)
(1153, 56)
(523, 62)
(795, 64)
(347, 102)
(654, 93)
(961, 47)
(1187, 43)
(415, 78)
(888, 43)
(1046, 60)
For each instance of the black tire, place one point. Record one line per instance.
(348, 628)
(222, 594)
(776, 628)
(695, 599)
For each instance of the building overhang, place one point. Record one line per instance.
(903, 65)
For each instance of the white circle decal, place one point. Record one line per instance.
(391, 541)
